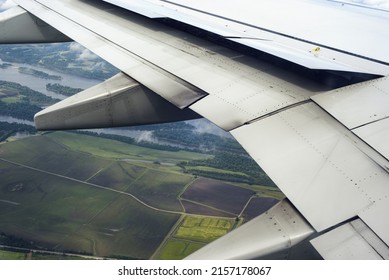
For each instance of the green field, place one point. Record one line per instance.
(61, 215)
(112, 149)
(58, 213)
(56, 208)
(68, 192)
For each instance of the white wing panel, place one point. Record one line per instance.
(376, 135)
(315, 163)
(357, 104)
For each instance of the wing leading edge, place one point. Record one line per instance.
(325, 149)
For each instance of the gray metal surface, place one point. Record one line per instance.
(352, 241)
(316, 163)
(119, 101)
(18, 26)
(279, 228)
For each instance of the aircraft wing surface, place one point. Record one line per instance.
(303, 86)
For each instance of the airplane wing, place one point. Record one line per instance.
(303, 86)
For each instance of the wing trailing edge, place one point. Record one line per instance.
(119, 101)
(19, 26)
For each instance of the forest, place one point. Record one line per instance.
(64, 90)
(9, 129)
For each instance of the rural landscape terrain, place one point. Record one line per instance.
(150, 192)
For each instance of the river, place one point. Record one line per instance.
(9, 119)
(11, 74)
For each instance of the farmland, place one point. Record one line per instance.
(67, 192)
(207, 192)
(192, 233)
(203, 228)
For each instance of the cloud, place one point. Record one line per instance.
(205, 126)
(146, 136)
(6, 4)
(87, 55)
(75, 47)
(82, 53)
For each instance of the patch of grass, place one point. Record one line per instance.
(215, 170)
(9, 255)
(106, 148)
(13, 99)
(203, 229)
(176, 249)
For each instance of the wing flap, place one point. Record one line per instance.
(351, 241)
(372, 216)
(119, 101)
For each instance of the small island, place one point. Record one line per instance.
(5, 65)
(39, 74)
(64, 90)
